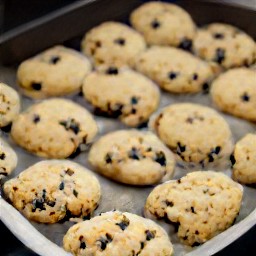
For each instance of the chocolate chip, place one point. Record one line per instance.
(36, 119)
(160, 158)
(195, 244)
(186, 44)
(120, 41)
(217, 150)
(69, 172)
(206, 88)
(134, 100)
(142, 245)
(2, 156)
(7, 128)
(108, 158)
(54, 60)
(190, 120)
(245, 97)
(38, 204)
(155, 24)
(168, 203)
(104, 241)
(82, 245)
(134, 154)
(44, 194)
(36, 86)
(50, 203)
(112, 71)
(195, 76)
(75, 193)
(232, 160)
(70, 124)
(180, 148)
(98, 43)
(116, 110)
(192, 209)
(173, 75)
(61, 186)
(219, 55)
(133, 111)
(210, 157)
(218, 36)
(150, 234)
(124, 223)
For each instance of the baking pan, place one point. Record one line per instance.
(66, 26)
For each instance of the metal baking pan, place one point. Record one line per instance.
(66, 26)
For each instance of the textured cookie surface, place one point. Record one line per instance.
(174, 70)
(52, 190)
(244, 168)
(225, 44)
(197, 134)
(203, 204)
(8, 159)
(115, 234)
(132, 157)
(235, 92)
(57, 71)
(123, 94)
(164, 24)
(9, 104)
(54, 128)
(112, 44)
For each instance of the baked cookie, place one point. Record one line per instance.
(112, 44)
(234, 92)
(202, 203)
(54, 128)
(57, 71)
(9, 104)
(132, 157)
(52, 190)
(116, 233)
(225, 45)
(8, 159)
(123, 94)
(175, 70)
(164, 24)
(244, 164)
(197, 134)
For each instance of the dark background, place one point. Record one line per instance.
(16, 12)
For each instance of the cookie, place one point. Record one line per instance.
(225, 45)
(244, 160)
(175, 70)
(112, 44)
(53, 190)
(116, 233)
(234, 92)
(202, 204)
(197, 134)
(164, 24)
(123, 94)
(132, 157)
(57, 71)
(9, 104)
(54, 128)
(8, 159)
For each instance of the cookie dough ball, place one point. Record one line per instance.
(54, 128)
(244, 168)
(225, 45)
(202, 203)
(8, 159)
(234, 92)
(123, 94)
(57, 71)
(116, 233)
(164, 24)
(112, 44)
(9, 104)
(197, 134)
(132, 157)
(52, 190)
(175, 70)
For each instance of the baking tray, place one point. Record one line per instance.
(66, 26)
